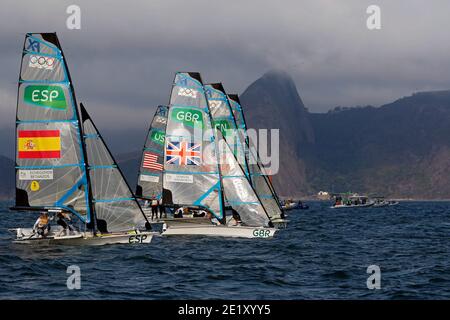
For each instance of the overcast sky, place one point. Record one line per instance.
(124, 57)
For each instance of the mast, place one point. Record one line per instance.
(92, 219)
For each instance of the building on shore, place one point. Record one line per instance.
(323, 195)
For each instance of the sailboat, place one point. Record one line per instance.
(200, 170)
(257, 176)
(63, 165)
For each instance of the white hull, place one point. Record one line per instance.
(25, 236)
(342, 206)
(220, 231)
(380, 205)
(290, 206)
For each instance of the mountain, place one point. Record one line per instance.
(272, 102)
(7, 187)
(399, 150)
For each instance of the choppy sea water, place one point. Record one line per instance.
(323, 254)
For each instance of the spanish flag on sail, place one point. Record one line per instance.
(39, 144)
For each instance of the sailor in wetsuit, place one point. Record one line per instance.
(235, 219)
(63, 219)
(42, 225)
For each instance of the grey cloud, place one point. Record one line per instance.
(124, 57)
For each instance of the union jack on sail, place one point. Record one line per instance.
(183, 153)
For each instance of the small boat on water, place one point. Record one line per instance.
(291, 204)
(351, 201)
(380, 202)
(64, 170)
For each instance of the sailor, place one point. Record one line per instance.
(199, 214)
(213, 220)
(161, 209)
(179, 212)
(62, 220)
(42, 226)
(235, 218)
(154, 208)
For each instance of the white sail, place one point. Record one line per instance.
(50, 162)
(191, 171)
(237, 189)
(61, 160)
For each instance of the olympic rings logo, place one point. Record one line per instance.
(42, 62)
(187, 92)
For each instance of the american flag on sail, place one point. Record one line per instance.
(151, 162)
(183, 153)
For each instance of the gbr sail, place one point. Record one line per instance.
(50, 163)
(150, 177)
(191, 171)
(237, 189)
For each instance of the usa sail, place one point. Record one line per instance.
(257, 175)
(236, 186)
(152, 163)
(62, 164)
(191, 171)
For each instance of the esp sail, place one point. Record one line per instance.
(191, 171)
(150, 179)
(61, 160)
(114, 204)
(237, 189)
(50, 162)
(258, 177)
